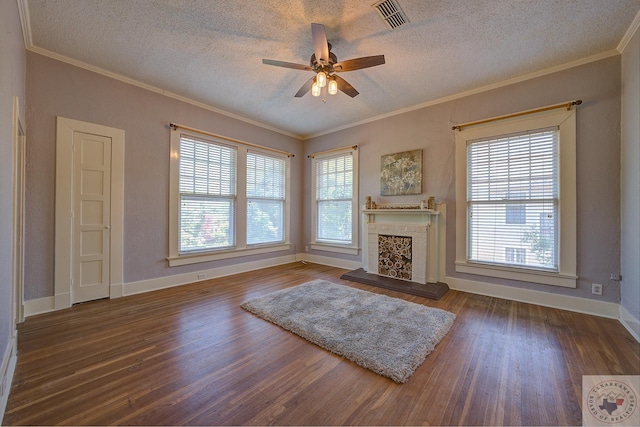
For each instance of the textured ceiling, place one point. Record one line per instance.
(211, 51)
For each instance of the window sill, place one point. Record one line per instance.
(532, 276)
(186, 259)
(349, 250)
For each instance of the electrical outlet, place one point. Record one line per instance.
(615, 277)
(596, 289)
(202, 276)
(306, 248)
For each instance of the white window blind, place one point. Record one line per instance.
(512, 200)
(207, 195)
(334, 197)
(265, 199)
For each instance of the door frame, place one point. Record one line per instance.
(65, 130)
(17, 274)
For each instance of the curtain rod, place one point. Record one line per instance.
(176, 126)
(566, 105)
(311, 156)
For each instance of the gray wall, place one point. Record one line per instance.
(12, 83)
(630, 178)
(55, 89)
(598, 161)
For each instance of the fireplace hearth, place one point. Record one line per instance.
(428, 290)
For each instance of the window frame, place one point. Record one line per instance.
(241, 248)
(351, 248)
(567, 242)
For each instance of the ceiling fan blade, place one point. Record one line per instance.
(344, 86)
(320, 44)
(305, 88)
(359, 63)
(287, 65)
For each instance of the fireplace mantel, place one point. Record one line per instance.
(425, 228)
(422, 216)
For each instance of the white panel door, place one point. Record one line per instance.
(91, 217)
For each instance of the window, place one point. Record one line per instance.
(515, 210)
(523, 166)
(227, 199)
(265, 199)
(335, 196)
(207, 195)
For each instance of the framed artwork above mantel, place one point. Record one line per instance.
(401, 173)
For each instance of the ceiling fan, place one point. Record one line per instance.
(325, 65)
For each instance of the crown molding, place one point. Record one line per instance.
(635, 24)
(475, 91)
(25, 23)
(151, 88)
(28, 41)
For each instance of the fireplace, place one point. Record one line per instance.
(404, 244)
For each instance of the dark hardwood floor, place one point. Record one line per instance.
(191, 356)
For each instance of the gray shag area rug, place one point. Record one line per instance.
(387, 335)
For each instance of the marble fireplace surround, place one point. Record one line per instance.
(426, 229)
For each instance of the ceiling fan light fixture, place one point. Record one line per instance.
(321, 79)
(315, 89)
(333, 87)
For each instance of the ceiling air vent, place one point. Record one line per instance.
(391, 13)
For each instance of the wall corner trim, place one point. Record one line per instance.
(629, 321)
(36, 306)
(628, 35)
(7, 369)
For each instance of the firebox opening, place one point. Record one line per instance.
(394, 256)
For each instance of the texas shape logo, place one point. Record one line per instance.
(612, 402)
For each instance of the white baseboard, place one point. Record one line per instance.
(7, 370)
(330, 261)
(630, 322)
(39, 306)
(197, 276)
(564, 302)
(48, 304)
(43, 305)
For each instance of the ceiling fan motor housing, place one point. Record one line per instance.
(317, 66)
